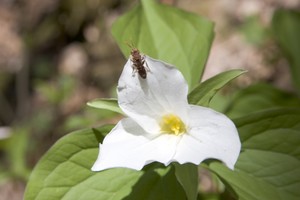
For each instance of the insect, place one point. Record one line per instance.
(139, 64)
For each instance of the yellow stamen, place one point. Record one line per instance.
(172, 124)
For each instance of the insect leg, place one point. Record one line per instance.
(146, 65)
(134, 69)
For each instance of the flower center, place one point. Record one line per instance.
(172, 124)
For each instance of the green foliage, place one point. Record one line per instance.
(107, 104)
(157, 184)
(169, 34)
(254, 31)
(269, 165)
(16, 149)
(65, 173)
(286, 29)
(259, 97)
(187, 176)
(205, 91)
(59, 91)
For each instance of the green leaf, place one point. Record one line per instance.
(187, 176)
(168, 34)
(260, 97)
(99, 134)
(246, 186)
(269, 165)
(157, 184)
(265, 122)
(205, 91)
(286, 29)
(107, 104)
(64, 173)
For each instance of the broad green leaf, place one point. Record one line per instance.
(220, 101)
(99, 134)
(65, 173)
(259, 97)
(205, 91)
(210, 196)
(263, 122)
(187, 176)
(286, 29)
(157, 184)
(168, 34)
(246, 186)
(107, 104)
(269, 165)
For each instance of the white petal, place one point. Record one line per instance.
(127, 145)
(146, 100)
(211, 135)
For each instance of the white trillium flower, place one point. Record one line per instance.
(162, 126)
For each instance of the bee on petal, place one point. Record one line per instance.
(139, 63)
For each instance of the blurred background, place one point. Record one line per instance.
(55, 55)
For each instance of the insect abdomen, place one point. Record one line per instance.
(142, 72)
